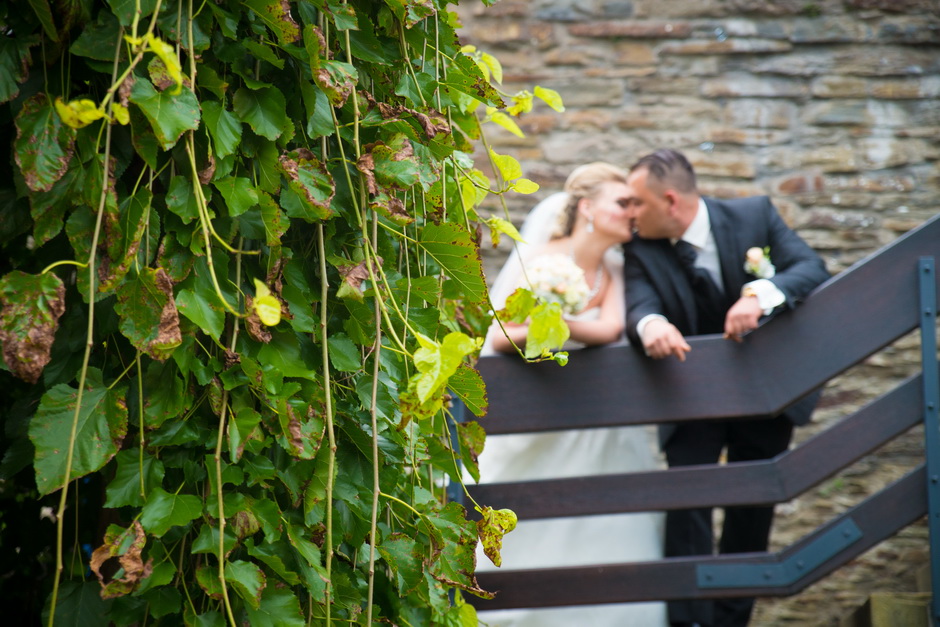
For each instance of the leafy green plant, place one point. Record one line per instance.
(241, 290)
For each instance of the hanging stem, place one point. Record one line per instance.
(321, 249)
(376, 353)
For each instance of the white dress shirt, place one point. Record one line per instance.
(699, 234)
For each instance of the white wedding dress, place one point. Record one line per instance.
(580, 540)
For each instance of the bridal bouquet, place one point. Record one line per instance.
(558, 279)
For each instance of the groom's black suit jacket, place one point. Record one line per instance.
(656, 284)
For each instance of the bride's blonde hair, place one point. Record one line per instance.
(585, 182)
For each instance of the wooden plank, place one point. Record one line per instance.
(751, 483)
(879, 517)
(846, 319)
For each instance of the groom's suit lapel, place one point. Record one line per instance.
(675, 291)
(730, 251)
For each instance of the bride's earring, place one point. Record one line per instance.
(590, 224)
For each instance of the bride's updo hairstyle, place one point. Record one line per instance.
(585, 182)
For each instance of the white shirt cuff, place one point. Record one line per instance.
(769, 296)
(645, 320)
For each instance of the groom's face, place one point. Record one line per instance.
(648, 208)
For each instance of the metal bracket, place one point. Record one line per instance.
(787, 572)
(928, 347)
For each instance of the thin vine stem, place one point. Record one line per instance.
(331, 435)
(376, 354)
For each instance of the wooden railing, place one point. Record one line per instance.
(845, 320)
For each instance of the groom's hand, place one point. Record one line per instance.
(661, 339)
(742, 317)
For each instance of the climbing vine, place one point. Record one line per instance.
(241, 297)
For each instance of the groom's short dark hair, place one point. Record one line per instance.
(669, 167)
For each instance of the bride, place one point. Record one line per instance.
(585, 223)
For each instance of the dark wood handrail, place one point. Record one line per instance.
(748, 483)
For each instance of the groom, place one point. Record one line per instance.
(685, 275)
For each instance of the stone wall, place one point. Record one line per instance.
(832, 107)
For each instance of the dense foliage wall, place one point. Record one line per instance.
(241, 289)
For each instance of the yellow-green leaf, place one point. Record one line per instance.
(266, 305)
(500, 226)
(78, 113)
(498, 117)
(521, 103)
(524, 186)
(550, 97)
(509, 168)
(494, 66)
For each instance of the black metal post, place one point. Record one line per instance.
(928, 346)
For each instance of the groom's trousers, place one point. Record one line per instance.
(745, 529)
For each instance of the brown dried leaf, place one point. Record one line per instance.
(256, 330)
(366, 165)
(134, 568)
(29, 319)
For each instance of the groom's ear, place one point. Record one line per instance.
(672, 202)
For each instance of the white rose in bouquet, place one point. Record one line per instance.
(558, 279)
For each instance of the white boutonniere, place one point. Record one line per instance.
(757, 262)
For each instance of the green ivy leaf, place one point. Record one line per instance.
(14, 64)
(312, 183)
(263, 109)
(125, 488)
(344, 354)
(457, 561)
(437, 362)
(472, 439)
(405, 558)
(519, 306)
(239, 194)
(164, 510)
(247, 579)
(276, 556)
(224, 126)
(277, 17)
(148, 314)
(279, 608)
(44, 144)
(77, 602)
(452, 248)
(101, 427)
(203, 309)
(465, 77)
(125, 9)
(169, 116)
(337, 80)
(166, 395)
(468, 385)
